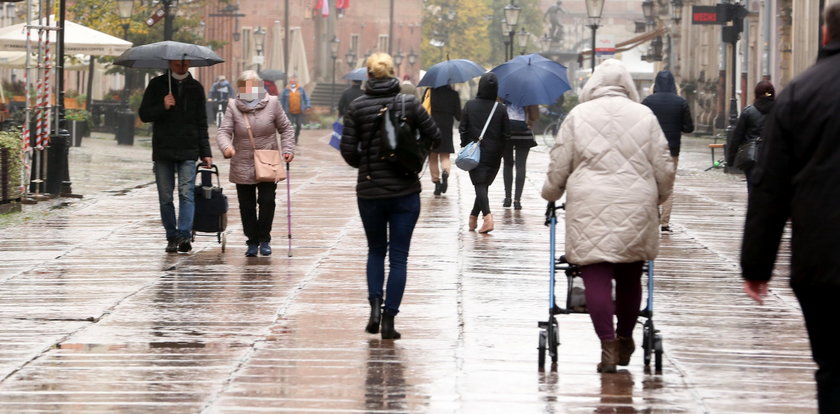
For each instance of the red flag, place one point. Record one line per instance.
(342, 4)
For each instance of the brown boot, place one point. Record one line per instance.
(609, 356)
(626, 347)
(473, 223)
(487, 226)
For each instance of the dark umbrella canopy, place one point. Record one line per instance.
(272, 75)
(531, 80)
(157, 55)
(358, 74)
(451, 71)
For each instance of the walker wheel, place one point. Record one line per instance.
(541, 349)
(222, 240)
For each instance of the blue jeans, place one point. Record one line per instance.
(389, 224)
(165, 178)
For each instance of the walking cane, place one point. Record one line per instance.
(289, 206)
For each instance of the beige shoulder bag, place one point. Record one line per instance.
(268, 164)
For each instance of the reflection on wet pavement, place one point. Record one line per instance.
(98, 319)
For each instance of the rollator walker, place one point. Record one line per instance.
(575, 303)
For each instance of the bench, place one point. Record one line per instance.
(715, 162)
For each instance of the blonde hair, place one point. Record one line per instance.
(380, 65)
(248, 75)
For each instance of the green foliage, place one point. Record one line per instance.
(475, 33)
(13, 141)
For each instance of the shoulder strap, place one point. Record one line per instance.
(483, 130)
(247, 126)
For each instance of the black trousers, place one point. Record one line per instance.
(482, 201)
(257, 227)
(820, 308)
(514, 155)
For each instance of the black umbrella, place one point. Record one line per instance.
(157, 55)
(272, 75)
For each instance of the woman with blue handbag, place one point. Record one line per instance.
(486, 120)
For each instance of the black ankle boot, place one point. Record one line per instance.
(375, 315)
(388, 331)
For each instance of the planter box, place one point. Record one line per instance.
(78, 129)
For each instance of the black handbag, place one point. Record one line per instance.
(401, 143)
(747, 154)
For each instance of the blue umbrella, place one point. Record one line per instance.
(451, 71)
(531, 80)
(358, 74)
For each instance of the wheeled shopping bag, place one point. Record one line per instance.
(549, 338)
(211, 204)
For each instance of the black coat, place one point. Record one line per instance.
(180, 133)
(360, 140)
(749, 127)
(446, 105)
(475, 114)
(349, 95)
(798, 177)
(671, 110)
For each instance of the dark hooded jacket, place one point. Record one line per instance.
(798, 177)
(349, 95)
(179, 134)
(671, 110)
(749, 126)
(360, 140)
(446, 105)
(475, 114)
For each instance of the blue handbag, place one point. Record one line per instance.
(470, 155)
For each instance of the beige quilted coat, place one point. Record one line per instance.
(612, 161)
(267, 119)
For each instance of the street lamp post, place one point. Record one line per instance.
(594, 8)
(545, 41)
(259, 42)
(125, 125)
(398, 58)
(511, 12)
(334, 43)
(522, 40)
(350, 58)
(506, 38)
(412, 59)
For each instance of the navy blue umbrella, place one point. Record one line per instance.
(531, 80)
(358, 74)
(451, 71)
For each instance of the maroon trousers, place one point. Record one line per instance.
(597, 279)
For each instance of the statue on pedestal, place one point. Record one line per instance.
(553, 16)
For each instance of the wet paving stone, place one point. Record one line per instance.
(97, 318)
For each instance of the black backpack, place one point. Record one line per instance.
(399, 141)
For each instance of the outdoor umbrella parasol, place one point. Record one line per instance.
(272, 75)
(531, 80)
(358, 74)
(157, 55)
(451, 71)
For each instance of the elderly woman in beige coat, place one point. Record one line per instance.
(612, 161)
(266, 117)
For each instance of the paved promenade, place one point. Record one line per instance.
(97, 318)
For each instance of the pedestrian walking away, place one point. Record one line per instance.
(259, 112)
(388, 196)
(798, 178)
(473, 119)
(295, 103)
(612, 222)
(674, 116)
(174, 104)
(749, 127)
(349, 94)
(446, 106)
(516, 151)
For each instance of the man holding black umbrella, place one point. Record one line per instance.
(174, 103)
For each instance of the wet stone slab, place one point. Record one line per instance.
(98, 318)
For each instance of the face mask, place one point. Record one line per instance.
(249, 93)
(179, 77)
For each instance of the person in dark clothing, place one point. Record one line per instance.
(349, 94)
(797, 177)
(388, 196)
(517, 149)
(475, 115)
(174, 104)
(750, 125)
(446, 105)
(674, 118)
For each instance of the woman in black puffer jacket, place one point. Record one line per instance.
(473, 117)
(750, 124)
(388, 196)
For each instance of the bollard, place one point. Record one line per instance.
(58, 154)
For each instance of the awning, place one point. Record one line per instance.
(78, 39)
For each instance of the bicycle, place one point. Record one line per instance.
(220, 112)
(550, 131)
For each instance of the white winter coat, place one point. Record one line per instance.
(266, 119)
(612, 160)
